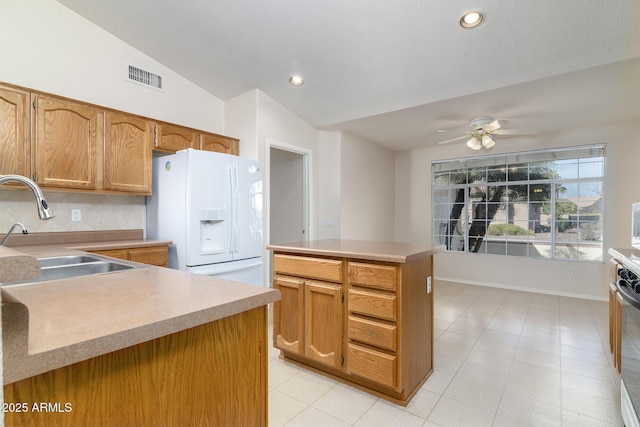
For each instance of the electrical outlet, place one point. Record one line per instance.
(429, 284)
(76, 215)
(569, 272)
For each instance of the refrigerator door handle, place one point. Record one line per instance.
(234, 209)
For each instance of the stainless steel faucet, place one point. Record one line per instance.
(43, 208)
(17, 224)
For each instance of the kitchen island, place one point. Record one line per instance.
(358, 311)
(145, 346)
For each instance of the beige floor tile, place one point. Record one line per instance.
(604, 409)
(483, 395)
(534, 389)
(383, 414)
(345, 403)
(585, 384)
(445, 364)
(516, 410)
(283, 408)
(306, 386)
(311, 416)
(453, 413)
(423, 403)
(528, 370)
(495, 375)
(437, 382)
(281, 371)
(571, 419)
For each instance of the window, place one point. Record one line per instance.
(540, 204)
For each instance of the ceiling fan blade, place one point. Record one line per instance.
(493, 126)
(515, 132)
(454, 139)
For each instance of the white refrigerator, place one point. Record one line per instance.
(210, 205)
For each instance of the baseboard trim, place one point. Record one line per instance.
(523, 289)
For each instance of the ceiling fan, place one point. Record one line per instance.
(484, 131)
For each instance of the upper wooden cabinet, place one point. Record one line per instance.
(70, 145)
(14, 132)
(64, 143)
(173, 138)
(128, 142)
(219, 143)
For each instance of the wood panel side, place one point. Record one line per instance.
(415, 324)
(214, 374)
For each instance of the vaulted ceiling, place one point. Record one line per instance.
(399, 72)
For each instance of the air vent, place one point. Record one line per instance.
(144, 77)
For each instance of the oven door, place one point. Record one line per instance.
(630, 364)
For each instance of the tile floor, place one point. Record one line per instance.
(501, 358)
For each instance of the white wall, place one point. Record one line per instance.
(590, 280)
(49, 48)
(367, 176)
(241, 121)
(329, 184)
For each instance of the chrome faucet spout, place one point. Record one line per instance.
(17, 224)
(43, 207)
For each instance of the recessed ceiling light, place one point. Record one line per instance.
(471, 19)
(296, 80)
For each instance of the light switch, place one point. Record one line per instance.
(76, 215)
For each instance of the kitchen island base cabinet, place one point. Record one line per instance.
(366, 320)
(211, 375)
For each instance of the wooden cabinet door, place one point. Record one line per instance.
(128, 144)
(173, 138)
(219, 143)
(65, 143)
(288, 315)
(323, 323)
(14, 132)
(154, 255)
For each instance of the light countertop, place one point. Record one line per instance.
(629, 257)
(52, 324)
(360, 249)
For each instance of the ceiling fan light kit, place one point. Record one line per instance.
(474, 143)
(484, 131)
(487, 141)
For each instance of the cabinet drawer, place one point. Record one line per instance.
(372, 365)
(372, 304)
(373, 275)
(156, 255)
(115, 253)
(370, 332)
(153, 255)
(316, 268)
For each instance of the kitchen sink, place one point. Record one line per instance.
(68, 259)
(64, 267)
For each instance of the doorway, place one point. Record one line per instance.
(288, 219)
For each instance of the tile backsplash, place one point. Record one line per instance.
(97, 211)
